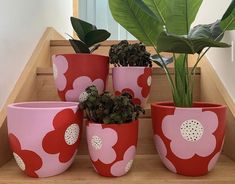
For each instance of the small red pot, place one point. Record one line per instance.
(112, 147)
(134, 80)
(73, 73)
(189, 140)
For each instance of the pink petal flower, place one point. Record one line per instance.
(191, 132)
(162, 151)
(122, 167)
(100, 143)
(60, 66)
(79, 86)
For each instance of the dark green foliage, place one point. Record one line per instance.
(88, 34)
(125, 54)
(109, 109)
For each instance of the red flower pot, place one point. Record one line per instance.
(134, 80)
(189, 140)
(111, 151)
(73, 73)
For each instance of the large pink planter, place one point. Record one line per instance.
(73, 73)
(134, 80)
(44, 136)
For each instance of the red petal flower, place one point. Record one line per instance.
(127, 90)
(66, 136)
(27, 160)
(144, 81)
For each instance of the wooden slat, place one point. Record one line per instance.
(146, 169)
(213, 90)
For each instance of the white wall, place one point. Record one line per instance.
(221, 59)
(22, 23)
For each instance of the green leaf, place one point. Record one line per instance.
(179, 14)
(228, 19)
(81, 27)
(182, 44)
(138, 19)
(96, 36)
(156, 59)
(78, 46)
(211, 31)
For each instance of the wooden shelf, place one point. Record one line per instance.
(146, 169)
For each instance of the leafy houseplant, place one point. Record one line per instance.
(132, 71)
(166, 25)
(73, 73)
(110, 120)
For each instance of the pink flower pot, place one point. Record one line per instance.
(134, 80)
(44, 136)
(189, 140)
(111, 151)
(73, 73)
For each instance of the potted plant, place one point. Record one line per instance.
(188, 136)
(132, 70)
(73, 73)
(112, 130)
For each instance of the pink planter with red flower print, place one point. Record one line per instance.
(189, 140)
(111, 151)
(134, 80)
(73, 73)
(44, 136)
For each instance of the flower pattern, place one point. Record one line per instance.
(28, 161)
(79, 86)
(66, 136)
(100, 143)
(60, 66)
(122, 167)
(189, 130)
(127, 90)
(144, 81)
(162, 151)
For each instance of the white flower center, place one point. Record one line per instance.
(83, 96)
(71, 134)
(19, 161)
(128, 166)
(96, 142)
(55, 71)
(149, 81)
(191, 130)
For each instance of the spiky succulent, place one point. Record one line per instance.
(109, 109)
(125, 54)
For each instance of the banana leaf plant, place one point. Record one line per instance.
(89, 36)
(166, 25)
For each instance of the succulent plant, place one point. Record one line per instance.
(89, 36)
(108, 109)
(125, 54)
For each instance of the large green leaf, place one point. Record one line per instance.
(212, 31)
(138, 19)
(159, 8)
(228, 19)
(81, 27)
(96, 36)
(180, 14)
(182, 44)
(79, 46)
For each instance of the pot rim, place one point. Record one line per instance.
(170, 105)
(83, 54)
(43, 105)
(113, 124)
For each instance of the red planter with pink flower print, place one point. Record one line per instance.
(134, 80)
(44, 136)
(73, 73)
(111, 151)
(189, 140)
